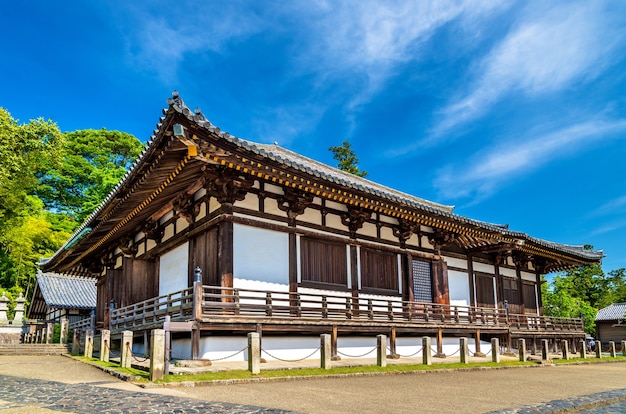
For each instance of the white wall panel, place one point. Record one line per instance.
(173, 269)
(261, 254)
(458, 283)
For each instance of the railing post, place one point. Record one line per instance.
(76, 342)
(197, 294)
(268, 304)
(583, 349)
(254, 353)
(324, 307)
(495, 350)
(348, 308)
(126, 349)
(426, 351)
(381, 350)
(157, 354)
(89, 344)
(111, 309)
(521, 349)
(463, 354)
(105, 345)
(370, 309)
(64, 330)
(565, 349)
(545, 351)
(390, 310)
(325, 351)
(237, 301)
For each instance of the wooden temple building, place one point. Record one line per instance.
(224, 236)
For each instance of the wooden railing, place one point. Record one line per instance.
(215, 302)
(178, 305)
(82, 324)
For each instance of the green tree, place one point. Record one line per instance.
(559, 303)
(347, 160)
(94, 162)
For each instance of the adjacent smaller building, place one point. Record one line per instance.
(610, 323)
(56, 296)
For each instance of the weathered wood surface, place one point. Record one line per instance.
(232, 306)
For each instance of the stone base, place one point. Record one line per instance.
(262, 360)
(194, 363)
(393, 356)
(480, 354)
(335, 358)
(509, 354)
(442, 355)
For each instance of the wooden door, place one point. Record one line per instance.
(485, 297)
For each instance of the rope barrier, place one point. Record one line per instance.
(291, 360)
(412, 355)
(183, 356)
(455, 352)
(229, 356)
(357, 356)
(130, 351)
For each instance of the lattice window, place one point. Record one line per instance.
(422, 281)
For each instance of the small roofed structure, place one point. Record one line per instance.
(611, 324)
(57, 295)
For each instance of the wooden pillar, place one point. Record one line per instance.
(225, 250)
(478, 352)
(392, 344)
(539, 299)
(440, 353)
(470, 274)
(354, 277)
(499, 282)
(520, 287)
(441, 292)
(333, 344)
(293, 262)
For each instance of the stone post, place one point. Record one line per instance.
(598, 349)
(126, 349)
(325, 351)
(49, 332)
(105, 345)
(157, 354)
(381, 350)
(612, 349)
(583, 349)
(545, 351)
(427, 358)
(42, 337)
(534, 349)
(76, 342)
(521, 349)
(565, 349)
(64, 330)
(19, 309)
(88, 344)
(623, 348)
(463, 350)
(495, 350)
(4, 307)
(254, 353)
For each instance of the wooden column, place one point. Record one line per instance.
(354, 277)
(225, 254)
(392, 344)
(470, 274)
(441, 292)
(440, 353)
(478, 352)
(293, 272)
(520, 287)
(333, 344)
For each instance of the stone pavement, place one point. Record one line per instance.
(53, 384)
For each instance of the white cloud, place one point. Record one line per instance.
(617, 205)
(481, 173)
(545, 52)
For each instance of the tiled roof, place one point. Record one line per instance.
(325, 172)
(612, 312)
(69, 292)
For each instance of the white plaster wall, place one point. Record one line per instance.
(529, 276)
(271, 207)
(505, 271)
(260, 254)
(334, 222)
(387, 219)
(168, 232)
(369, 229)
(386, 233)
(213, 205)
(251, 202)
(454, 262)
(425, 243)
(173, 268)
(336, 206)
(458, 284)
(484, 268)
(311, 216)
(274, 189)
(181, 224)
(234, 349)
(413, 241)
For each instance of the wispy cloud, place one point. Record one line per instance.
(546, 51)
(617, 205)
(609, 228)
(370, 39)
(480, 175)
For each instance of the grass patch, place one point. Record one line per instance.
(116, 367)
(313, 372)
(605, 358)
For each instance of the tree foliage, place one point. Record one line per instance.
(94, 162)
(347, 160)
(583, 291)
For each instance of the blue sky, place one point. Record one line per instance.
(514, 112)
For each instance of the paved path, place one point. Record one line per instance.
(59, 384)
